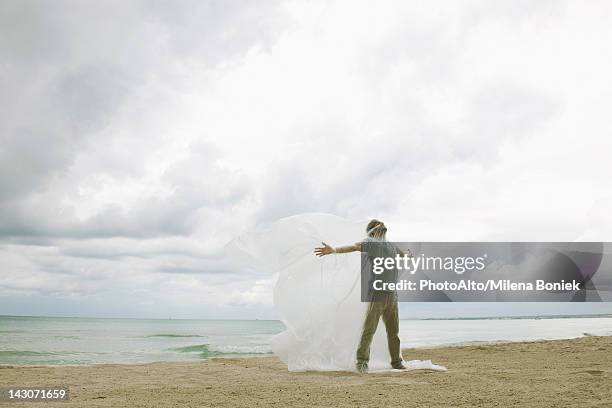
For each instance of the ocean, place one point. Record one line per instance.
(78, 341)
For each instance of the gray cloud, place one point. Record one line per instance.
(137, 138)
(70, 68)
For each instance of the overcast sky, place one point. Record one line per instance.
(138, 137)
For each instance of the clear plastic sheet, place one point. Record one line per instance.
(318, 298)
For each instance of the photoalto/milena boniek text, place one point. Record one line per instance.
(488, 271)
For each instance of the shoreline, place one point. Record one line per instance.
(517, 317)
(544, 373)
(271, 354)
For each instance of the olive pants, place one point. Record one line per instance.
(384, 306)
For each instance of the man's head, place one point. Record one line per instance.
(376, 229)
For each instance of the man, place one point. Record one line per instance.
(382, 303)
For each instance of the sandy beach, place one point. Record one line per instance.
(560, 373)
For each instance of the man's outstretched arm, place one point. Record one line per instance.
(326, 249)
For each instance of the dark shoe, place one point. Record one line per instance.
(398, 366)
(362, 368)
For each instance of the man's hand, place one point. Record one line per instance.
(406, 252)
(324, 250)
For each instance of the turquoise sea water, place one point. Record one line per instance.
(57, 340)
(60, 341)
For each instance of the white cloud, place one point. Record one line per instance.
(131, 155)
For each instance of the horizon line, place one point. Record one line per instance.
(500, 317)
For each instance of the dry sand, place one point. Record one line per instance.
(562, 373)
